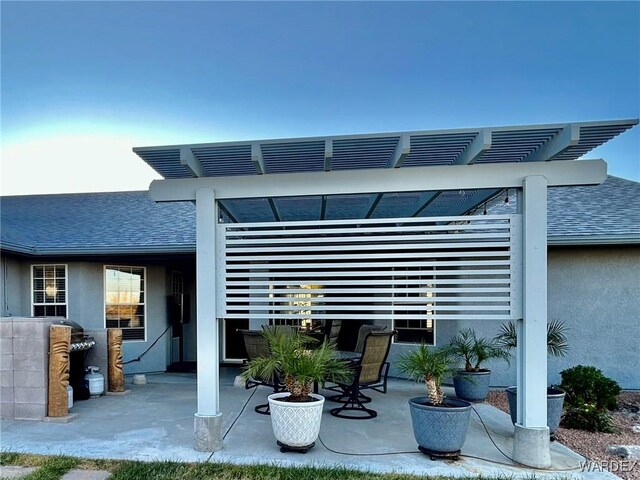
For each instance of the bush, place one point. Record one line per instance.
(590, 395)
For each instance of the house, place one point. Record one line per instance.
(594, 265)
(337, 237)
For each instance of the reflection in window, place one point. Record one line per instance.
(125, 301)
(419, 329)
(300, 302)
(49, 290)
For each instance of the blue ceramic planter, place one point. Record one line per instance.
(555, 402)
(472, 386)
(440, 429)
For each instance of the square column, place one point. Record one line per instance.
(208, 419)
(531, 442)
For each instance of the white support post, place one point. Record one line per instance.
(531, 442)
(208, 419)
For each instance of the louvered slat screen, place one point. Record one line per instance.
(411, 268)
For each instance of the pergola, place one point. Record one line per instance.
(268, 211)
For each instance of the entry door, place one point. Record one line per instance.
(233, 343)
(178, 308)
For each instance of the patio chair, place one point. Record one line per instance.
(257, 346)
(362, 334)
(287, 329)
(363, 331)
(367, 373)
(334, 331)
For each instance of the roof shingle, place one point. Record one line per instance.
(131, 222)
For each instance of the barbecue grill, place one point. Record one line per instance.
(80, 344)
(79, 341)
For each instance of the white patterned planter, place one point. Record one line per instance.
(295, 424)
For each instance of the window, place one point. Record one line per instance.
(49, 283)
(125, 301)
(420, 328)
(300, 303)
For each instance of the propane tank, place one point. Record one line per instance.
(69, 396)
(94, 381)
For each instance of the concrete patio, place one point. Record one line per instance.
(155, 421)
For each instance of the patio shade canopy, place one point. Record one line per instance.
(513, 144)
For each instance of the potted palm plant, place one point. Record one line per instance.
(296, 413)
(472, 382)
(439, 423)
(557, 346)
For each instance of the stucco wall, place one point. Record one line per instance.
(85, 303)
(11, 285)
(595, 291)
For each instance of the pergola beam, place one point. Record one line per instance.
(224, 208)
(403, 148)
(423, 203)
(416, 179)
(261, 169)
(475, 149)
(257, 159)
(323, 207)
(563, 140)
(191, 163)
(328, 154)
(274, 209)
(374, 200)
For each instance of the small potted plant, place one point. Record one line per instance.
(296, 413)
(557, 346)
(439, 423)
(472, 383)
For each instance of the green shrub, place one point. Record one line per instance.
(590, 395)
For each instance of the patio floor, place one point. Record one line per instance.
(155, 421)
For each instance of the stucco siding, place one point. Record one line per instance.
(595, 291)
(12, 284)
(85, 303)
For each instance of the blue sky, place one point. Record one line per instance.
(83, 82)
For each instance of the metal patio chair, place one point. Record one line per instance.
(367, 373)
(362, 334)
(257, 346)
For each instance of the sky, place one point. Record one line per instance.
(84, 82)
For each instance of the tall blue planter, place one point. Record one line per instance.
(555, 403)
(472, 386)
(440, 429)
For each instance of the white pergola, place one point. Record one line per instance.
(290, 181)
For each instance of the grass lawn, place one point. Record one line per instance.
(53, 467)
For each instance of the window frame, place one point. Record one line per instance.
(144, 303)
(419, 300)
(35, 304)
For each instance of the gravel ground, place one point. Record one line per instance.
(593, 445)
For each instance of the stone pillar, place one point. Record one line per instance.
(115, 372)
(30, 346)
(6, 369)
(60, 343)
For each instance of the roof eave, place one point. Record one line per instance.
(567, 240)
(101, 250)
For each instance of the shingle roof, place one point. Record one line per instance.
(607, 213)
(92, 223)
(130, 222)
(598, 214)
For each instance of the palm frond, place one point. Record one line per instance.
(294, 358)
(475, 351)
(557, 341)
